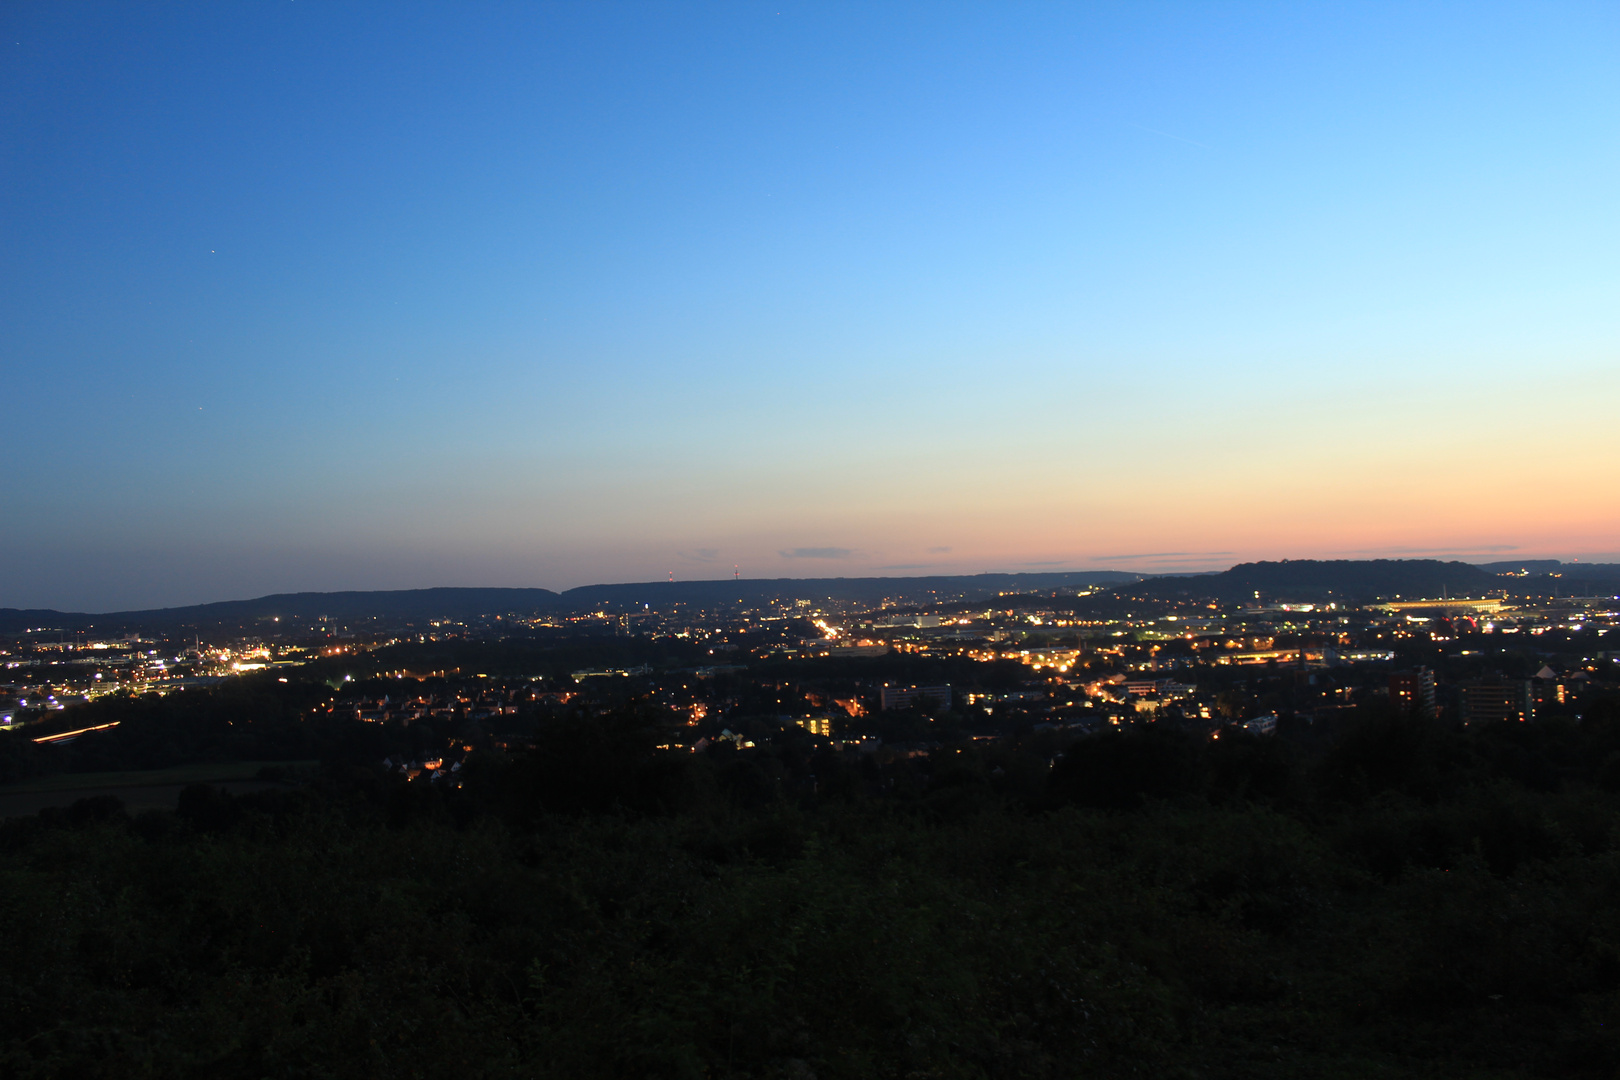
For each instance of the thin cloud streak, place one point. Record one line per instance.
(817, 553)
(1483, 549)
(1164, 555)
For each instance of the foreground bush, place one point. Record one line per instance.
(300, 934)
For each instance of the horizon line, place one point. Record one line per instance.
(1159, 573)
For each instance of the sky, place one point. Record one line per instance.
(318, 296)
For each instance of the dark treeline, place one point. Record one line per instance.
(1395, 897)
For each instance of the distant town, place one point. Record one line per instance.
(892, 667)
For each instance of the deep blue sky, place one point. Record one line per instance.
(306, 295)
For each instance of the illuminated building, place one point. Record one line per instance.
(1497, 701)
(1413, 691)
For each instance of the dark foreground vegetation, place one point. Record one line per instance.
(1397, 898)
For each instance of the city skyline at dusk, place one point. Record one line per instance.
(810, 541)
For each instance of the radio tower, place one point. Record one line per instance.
(736, 572)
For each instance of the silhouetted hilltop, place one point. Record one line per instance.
(447, 603)
(855, 589)
(1522, 566)
(1549, 577)
(1345, 580)
(1348, 580)
(395, 604)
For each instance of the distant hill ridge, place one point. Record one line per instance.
(1348, 580)
(1363, 580)
(401, 603)
(460, 603)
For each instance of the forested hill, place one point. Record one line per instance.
(1349, 580)
(1346, 580)
(857, 589)
(466, 603)
(402, 603)
(1363, 580)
